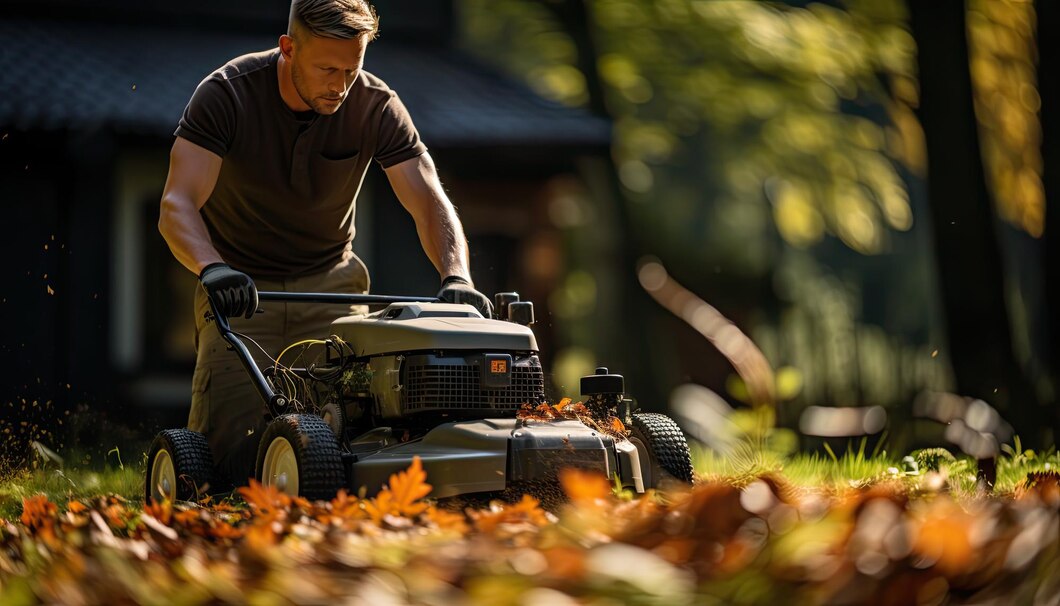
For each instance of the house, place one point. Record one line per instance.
(94, 307)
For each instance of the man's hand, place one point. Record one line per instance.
(458, 290)
(232, 291)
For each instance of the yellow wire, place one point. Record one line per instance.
(303, 342)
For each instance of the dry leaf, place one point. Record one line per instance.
(584, 486)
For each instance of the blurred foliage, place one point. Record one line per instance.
(1003, 56)
(898, 536)
(748, 109)
(745, 134)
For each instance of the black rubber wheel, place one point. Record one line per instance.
(665, 445)
(335, 417)
(299, 455)
(179, 466)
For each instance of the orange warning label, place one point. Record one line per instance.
(498, 367)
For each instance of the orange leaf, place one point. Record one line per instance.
(76, 507)
(408, 487)
(346, 507)
(617, 425)
(262, 499)
(526, 511)
(163, 512)
(564, 403)
(944, 537)
(446, 520)
(37, 511)
(224, 530)
(543, 412)
(583, 486)
(402, 495)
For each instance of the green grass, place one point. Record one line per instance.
(757, 447)
(62, 485)
(760, 450)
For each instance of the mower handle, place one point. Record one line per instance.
(276, 403)
(342, 298)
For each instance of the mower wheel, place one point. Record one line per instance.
(335, 417)
(179, 466)
(667, 451)
(300, 456)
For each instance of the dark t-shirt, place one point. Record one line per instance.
(285, 198)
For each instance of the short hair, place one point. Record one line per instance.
(338, 19)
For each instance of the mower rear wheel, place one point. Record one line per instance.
(179, 466)
(300, 456)
(659, 438)
(335, 417)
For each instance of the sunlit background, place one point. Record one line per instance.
(762, 166)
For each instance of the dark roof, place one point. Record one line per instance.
(62, 75)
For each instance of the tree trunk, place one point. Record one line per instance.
(635, 306)
(1048, 13)
(965, 229)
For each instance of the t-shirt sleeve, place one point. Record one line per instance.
(397, 140)
(210, 117)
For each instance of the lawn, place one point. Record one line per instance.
(759, 527)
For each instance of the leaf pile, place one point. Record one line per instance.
(765, 543)
(577, 411)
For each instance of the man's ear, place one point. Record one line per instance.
(286, 46)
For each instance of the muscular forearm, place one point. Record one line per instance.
(183, 229)
(443, 240)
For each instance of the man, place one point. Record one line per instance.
(263, 176)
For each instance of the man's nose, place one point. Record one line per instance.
(337, 85)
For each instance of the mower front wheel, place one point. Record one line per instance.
(663, 449)
(300, 456)
(179, 466)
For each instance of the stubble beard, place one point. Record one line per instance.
(314, 103)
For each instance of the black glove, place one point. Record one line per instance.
(458, 290)
(232, 291)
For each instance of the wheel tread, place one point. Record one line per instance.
(320, 470)
(192, 460)
(668, 443)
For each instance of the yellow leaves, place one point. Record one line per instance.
(1002, 55)
(797, 218)
(403, 495)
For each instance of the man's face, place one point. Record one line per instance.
(323, 69)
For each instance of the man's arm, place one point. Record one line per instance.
(192, 175)
(417, 187)
(419, 190)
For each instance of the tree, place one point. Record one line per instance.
(964, 221)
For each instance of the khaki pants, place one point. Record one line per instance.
(225, 405)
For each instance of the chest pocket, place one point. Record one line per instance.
(335, 180)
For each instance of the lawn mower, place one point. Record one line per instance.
(428, 379)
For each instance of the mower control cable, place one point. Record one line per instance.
(277, 403)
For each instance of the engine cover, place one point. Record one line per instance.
(410, 327)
